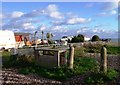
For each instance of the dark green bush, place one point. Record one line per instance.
(95, 38)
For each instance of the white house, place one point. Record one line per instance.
(86, 38)
(7, 39)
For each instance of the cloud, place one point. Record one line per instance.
(43, 27)
(113, 12)
(56, 15)
(60, 29)
(16, 14)
(52, 8)
(82, 29)
(78, 20)
(52, 11)
(57, 28)
(72, 21)
(13, 15)
(27, 26)
(1, 16)
(109, 5)
(35, 13)
(108, 13)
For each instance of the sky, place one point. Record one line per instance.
(61, 18)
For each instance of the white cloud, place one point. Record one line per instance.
(77, 20)
(113, 12)
(57, 28)
(16, 14)
(52, 8)
(56, 15)
(1, 16)
(82, 29)
(108, 13)
(110, 5)
(27, 26)
(43, 28)
(53, 12)
(103, 14)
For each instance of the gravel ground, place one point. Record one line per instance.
(10, 77)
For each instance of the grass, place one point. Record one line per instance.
(81, 66)
(97, 48)
(5, 56)
(113, 49)
(101, 78)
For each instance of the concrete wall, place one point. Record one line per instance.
(54, 60)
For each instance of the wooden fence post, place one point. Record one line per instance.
(103, 59)
(71, 60)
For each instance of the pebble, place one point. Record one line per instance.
(10, 77)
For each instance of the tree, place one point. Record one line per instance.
(80, 37)
(95, 38)
(49, 36)
(76, 39)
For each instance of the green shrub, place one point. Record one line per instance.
(112, 74)
(19, 61)
(100, 77)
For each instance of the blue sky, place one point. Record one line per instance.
(62, 18)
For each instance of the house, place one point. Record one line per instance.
(7, 39)
(66, 38)
(22, 39)
(86, 38)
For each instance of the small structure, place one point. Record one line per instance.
(51, 57)
(22, 39)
